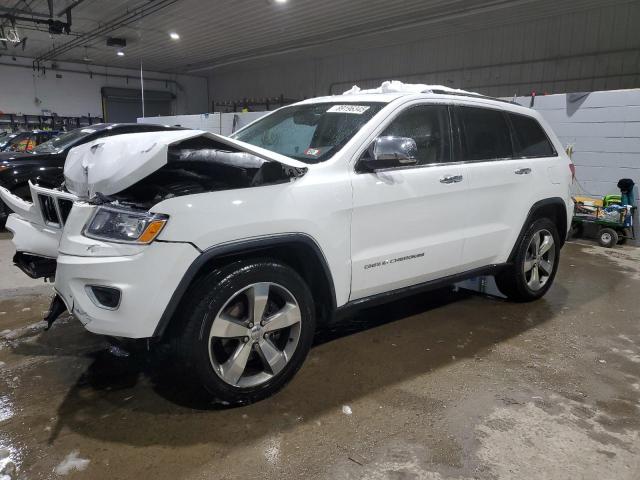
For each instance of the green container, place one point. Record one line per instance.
(612, 199)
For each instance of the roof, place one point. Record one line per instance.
(389, 91)
(104, 126)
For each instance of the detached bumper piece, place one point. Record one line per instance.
(34, 266)
(56, 309)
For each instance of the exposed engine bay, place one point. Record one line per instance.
(199, 165)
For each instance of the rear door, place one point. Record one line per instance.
(407, 224)
(506, 167)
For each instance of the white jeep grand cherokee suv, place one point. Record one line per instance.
(237, 248)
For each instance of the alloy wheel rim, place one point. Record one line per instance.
(539, 259)
(254, 335)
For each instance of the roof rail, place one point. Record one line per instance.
(461, 94)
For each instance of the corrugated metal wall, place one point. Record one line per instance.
(596, 49)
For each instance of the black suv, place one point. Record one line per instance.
(44, 165)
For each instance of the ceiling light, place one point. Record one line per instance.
(120, 53)
(174, 36)
(281, 1)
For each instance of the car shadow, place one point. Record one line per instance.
(142, 400)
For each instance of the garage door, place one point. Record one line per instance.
(121, 105)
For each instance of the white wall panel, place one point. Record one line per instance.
(76, 94)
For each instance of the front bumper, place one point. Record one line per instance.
(146, 281)
(34, 238)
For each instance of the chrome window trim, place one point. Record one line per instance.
(445, 164)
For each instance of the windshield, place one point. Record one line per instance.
(61, 142)
(16, 142)
(4, 140)
(310, 133)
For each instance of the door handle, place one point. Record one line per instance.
(523, 171)
(451, 179)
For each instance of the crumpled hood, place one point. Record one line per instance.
(112, 164)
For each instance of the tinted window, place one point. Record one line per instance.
(428, 125)
(531, 141)
(486, 134)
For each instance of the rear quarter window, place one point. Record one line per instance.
(530, 138)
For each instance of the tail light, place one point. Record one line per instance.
(572, 167)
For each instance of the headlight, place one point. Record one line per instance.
(116, 225)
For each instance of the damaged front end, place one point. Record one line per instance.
(37, 228)
(103, 214)
(133, 173)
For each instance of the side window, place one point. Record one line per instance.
(428, 125)
(486, 134)
(531, 140)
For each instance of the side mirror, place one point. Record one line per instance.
(389, 152)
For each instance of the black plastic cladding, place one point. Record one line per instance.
(248, 246)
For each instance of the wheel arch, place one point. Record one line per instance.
(297, 250)
(552, 208)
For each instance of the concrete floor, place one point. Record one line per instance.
(440, 386)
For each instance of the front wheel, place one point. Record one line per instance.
(535, 263)
(249, 330)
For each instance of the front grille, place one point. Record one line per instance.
(55, 211)
(48, 208)
(65, 208)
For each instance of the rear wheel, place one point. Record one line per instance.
(607, 237)
(534, 265)
(249, 330)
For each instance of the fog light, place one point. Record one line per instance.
(104, 297)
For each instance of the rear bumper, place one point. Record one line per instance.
(146, 281)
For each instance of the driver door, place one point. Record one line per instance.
(408, 222)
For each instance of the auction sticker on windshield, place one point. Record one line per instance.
(357, 109)
(313, 152)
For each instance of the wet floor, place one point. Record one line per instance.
(449, 385)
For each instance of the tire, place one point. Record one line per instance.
(534, 268)
(607, 237)
(223, 299)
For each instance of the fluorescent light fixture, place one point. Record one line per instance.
(280, 1)
(174, 36)
(120, 53)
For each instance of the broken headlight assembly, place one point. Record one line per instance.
(124, 226)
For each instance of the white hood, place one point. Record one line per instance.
(112, 164)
